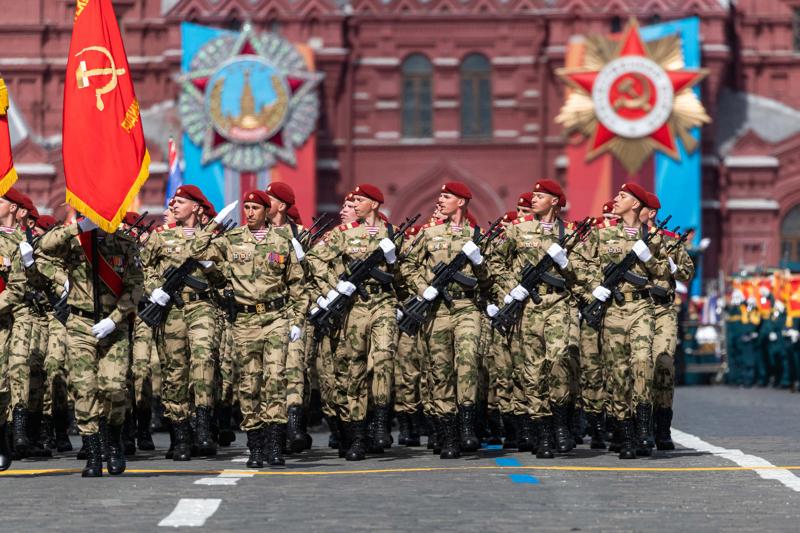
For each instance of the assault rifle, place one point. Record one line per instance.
(61, 310)
(416, 310)
(309, 235)
(613, 275)
(533, 275)
(175, 279)
(360, 270)
(229, 305)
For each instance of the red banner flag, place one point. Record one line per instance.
(105, 158)
(7, 173)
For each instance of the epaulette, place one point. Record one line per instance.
(432, 224)
(526, 218)
(670, 234)
(608, 223)
(350, 225)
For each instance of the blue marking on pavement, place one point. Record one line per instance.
(507, 461)
(492, 446)
(524, 478)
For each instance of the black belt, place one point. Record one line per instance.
(554, 290)
(263, 307)
(198, 296)
(635, 296)
(461, 295)
(81, 313)
(664, 300)
(377, 289)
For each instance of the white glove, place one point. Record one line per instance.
(430, 293)
(225, 211)
(345, 287)
(472, 252)
(507, 299)
(642, 251)
(519, 293)
(102, 329)
(295, 333)
(66, 288)
(26, 252)
(332, 294)
(299, 253)
(206, 264)
(794, 334)
(322, 302)
(672, 266)
(772, 336)
(601, 293)
(389, 250)
(492, 310)
(399, 314)
(85, 224)
(159, 297)
(558, 254)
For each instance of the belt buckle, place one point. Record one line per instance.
(261, 309)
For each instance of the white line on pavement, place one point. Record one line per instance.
(242, 459)
(192, 512)
(782, 475)
(217, 481)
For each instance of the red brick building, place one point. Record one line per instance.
(416, 92)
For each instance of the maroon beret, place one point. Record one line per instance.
(130, 217)
(457, 188)
(46, 222)
(551, 187)
(27, 203)
(525, 200)
(348, 197)
(510, 216)
(294, 214)
(369, 191)
(651, 201)
(282, 192)
(257, 197)
(471, 218)
(637, 191)
(208, 209)
(15, 197)
(191, 192)
(33, 212)
(608, 207)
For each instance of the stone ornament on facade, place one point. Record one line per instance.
(631, 98)
(249, 100)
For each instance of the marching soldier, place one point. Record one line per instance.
(270, 304)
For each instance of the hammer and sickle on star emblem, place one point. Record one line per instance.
(82, 75)
(629, 98)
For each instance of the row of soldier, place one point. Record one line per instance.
(520, 333)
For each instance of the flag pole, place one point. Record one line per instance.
(95, 278)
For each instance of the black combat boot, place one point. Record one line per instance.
(36, 446)
(116, 451)
(357, 435)
(255, 443)
(94, 456)
(564, 439)
(469, 440)
(433, 434)
(103, 423)
(381, 438)
(627, 439)
(615, 427)
(295, 436)
(46, 434)
(333, 428)
(495, 423)
(129, 434)
(663, 419)
(61, 425)
(544, 450)
(510, 430)
(183, 441)
(438, 438)
(171, 430)
(158, 422)
(5, 449)
(525, 433)
(276, 435)
(369, 443)
(19, 421)
(451, 447)
(576, 423)
(597, 430)
(203, 440)
(404, 428)
(226, 433)
(144, 439)
(644, 430)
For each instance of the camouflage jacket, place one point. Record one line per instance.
(119, 251)
(23, 285)
(258, 271)
(683, 262)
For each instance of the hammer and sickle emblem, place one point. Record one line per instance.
(629, 98)
(82, 75)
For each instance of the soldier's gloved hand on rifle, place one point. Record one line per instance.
(601, 293)
(558, 254)
(299, 253)
(85, 224)
(772, 336)
(225, 211)
(104, 328)
(472, 252)
(642, 251)
(672, 266)
(26, 253)
(345, 287)
(492, 310)
(66, 288)
(430, 293)
(294, 334)
(519, 293)
(794, 335)
(389, 250)
(399, 314)
(507, 299)
(322, 302)
(159, 297)
(206, 264)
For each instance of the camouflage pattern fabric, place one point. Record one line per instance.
(407, 374)
(593, 371)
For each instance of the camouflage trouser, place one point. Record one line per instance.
(188, 359)
(504, 381)
(98, 374)
(450, 347)
(406, 375)
(485, 363)
(23, 343)
(626, 341)
(141, 355)
(368, 340)
(39, 393)
(5, 389)
(55, 362)
(227, 365)
(664, 342)
(296, 369)
(332, 397)
(574, 359)
(593, 372)
(261, 342)
(543, 344)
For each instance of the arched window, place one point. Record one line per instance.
(476, 97)
(417, 97)
(790, 237)
(616, 24)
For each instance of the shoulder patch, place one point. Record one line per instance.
(432, 224)
(350, 225)
(526, 218)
